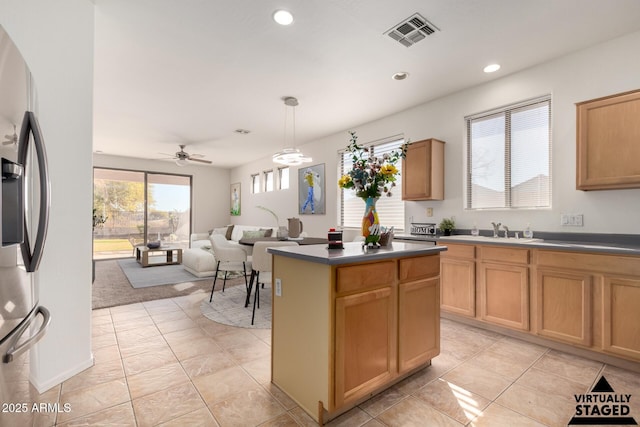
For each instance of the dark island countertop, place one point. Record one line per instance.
(354, 252)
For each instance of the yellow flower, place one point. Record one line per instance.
(388, 170)
(344, 180)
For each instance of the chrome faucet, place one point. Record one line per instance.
(506, 231)
(496, 228)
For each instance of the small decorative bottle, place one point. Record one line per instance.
(527, 233)
(474, 230)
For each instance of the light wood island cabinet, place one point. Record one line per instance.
(423, 171)
(348, 324)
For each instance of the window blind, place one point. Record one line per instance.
(390, 209)
(509, 157)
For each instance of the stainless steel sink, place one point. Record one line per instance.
(510, 240)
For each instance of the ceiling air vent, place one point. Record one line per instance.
(411, 30)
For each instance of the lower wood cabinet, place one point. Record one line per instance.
(365, 342)
(563, 307)
(458, 280)
(342, 333)
(621, 316)
(503, 282)
(418, 323)
(589, 300)
(504, 294)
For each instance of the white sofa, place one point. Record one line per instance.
(199, 259)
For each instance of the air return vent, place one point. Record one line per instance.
(411, 30)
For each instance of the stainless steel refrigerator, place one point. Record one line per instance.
(24, 207)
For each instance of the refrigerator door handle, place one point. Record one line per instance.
(30, 125)
(14, 351)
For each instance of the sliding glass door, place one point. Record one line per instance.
(133, 208)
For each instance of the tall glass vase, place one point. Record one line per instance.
(370, 221)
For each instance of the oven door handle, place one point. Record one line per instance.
(14, 351)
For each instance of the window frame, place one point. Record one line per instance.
(269, 178)
(281, 180)
(255, 183)
(507, 111)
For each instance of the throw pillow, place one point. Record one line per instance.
(229, 231)
(267, 232)
(252, 234)
(219, 230)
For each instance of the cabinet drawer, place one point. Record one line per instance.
(503, 254)
(365, 276)
(419, 268)
(458, 251)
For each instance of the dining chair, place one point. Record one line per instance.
(261, 270)
(228, 258)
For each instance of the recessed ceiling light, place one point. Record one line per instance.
(400, 76)
(283, 17)
(491, 68)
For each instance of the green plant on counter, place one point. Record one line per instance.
(447, 225)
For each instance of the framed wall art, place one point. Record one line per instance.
(311, 190)
(235, 199)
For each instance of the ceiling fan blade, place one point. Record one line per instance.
(200, 160)
(197, 156)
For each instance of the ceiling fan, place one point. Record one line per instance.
(11, 139)
(182, 158)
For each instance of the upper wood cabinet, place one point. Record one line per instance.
(423, 171)
(608, 153)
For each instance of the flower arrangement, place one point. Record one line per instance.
(371, 175)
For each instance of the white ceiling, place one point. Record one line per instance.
(171, 72)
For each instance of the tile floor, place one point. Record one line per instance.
(163, 363)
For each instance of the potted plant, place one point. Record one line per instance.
(446, 226)
(98, 221)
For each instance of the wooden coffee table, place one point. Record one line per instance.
(172, 256)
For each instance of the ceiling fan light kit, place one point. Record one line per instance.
(290, 156)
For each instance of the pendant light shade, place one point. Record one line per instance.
(290, 156)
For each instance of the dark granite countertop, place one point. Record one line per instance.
(621, 244)
(353, 252)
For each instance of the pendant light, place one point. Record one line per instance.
(290, 156)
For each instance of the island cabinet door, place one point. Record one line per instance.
(418, 323)
(365, 347)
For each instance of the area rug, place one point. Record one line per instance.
(228, 307)
(111, 287)
(143, 277)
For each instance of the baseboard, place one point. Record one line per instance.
(59, 379)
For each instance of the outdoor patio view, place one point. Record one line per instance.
(133, 208)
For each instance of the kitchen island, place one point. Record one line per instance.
(349, 323)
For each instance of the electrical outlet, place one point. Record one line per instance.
(429, 212)
(278, 287)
